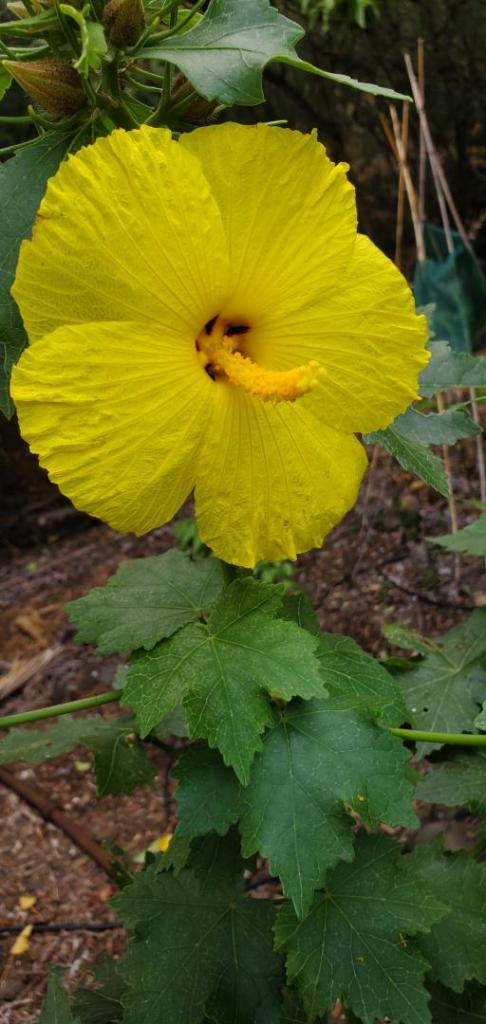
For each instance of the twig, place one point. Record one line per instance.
(21, 671)
(423, 597)
(78, 835)
(69, 926)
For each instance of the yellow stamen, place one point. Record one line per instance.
(216, 351)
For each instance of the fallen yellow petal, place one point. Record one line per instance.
(27, 902)
(165, 841)
(22, 942)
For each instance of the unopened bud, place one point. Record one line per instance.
(53, 83)
(19, 9)
(124, 22)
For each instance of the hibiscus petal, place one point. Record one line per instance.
(128, 230)
(116, 413)
(289, 215)
(366, 335)
(271, 480)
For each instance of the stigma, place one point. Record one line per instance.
(220, 350)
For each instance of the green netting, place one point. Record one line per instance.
(454, 284)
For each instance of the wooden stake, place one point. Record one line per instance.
(411, 194)
(401, 188)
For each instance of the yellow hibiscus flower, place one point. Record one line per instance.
(203, 314)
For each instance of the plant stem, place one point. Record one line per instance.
(176, 28)
(459, 739)
(157, 118)
(60, 709)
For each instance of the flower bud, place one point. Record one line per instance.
(53, 83)
(124, 22)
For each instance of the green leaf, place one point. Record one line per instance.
(470, 541)
(446, 689)
(208, 793)
(223, 672)
(436, 428)
(297, 608)
(120, 761)
(101, 1004)
(448, 369)
(355, 680)
(145, 601)
(353, 943)
(5, 80)
(467, 1008)
(225, 54)
(412, 456)
(201, 946)
(34, 746)
(56, 1008)
(460, 782)
(23, 181)
(455, 948)
(318, 768)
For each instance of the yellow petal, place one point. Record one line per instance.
(165, 841)
(366, 336)
(289, 215)
(26, 902)
(22, 942)
(271, 480)
(116, 413)
(128, 230)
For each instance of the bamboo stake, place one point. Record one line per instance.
(401, 189)
(422, 149)
(440, 181)
(411, 194)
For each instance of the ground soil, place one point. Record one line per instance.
(376, 567)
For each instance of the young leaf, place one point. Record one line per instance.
(224, 670)
(145, 601)
(455, 948)
(470, 541)
(436, 428)
(413, 457)
(319, 767)
(353, 943)
(23, 181)
(448, 369)
(56, 1008)
(120, 761)
(208, 793)
(200, 944)
(225, 54)
(356, 680)
(449, 1008)
(459, 782)
(446, 690)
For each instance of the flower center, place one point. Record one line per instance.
(220, 349)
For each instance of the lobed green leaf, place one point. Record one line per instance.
(145, 601)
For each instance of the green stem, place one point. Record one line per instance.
(158, 116)
(176, 28)
(459, 739)
(60, 709)
(5, 119)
